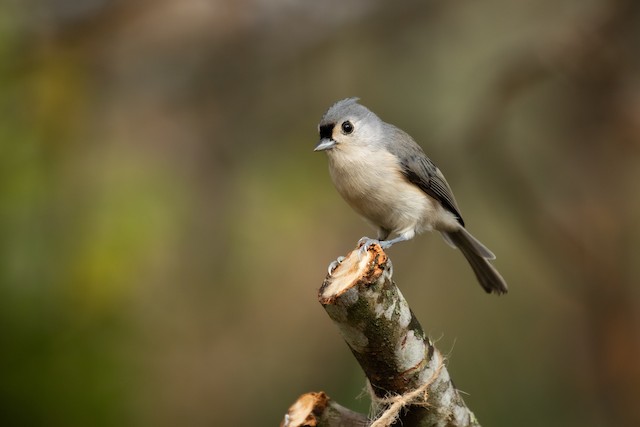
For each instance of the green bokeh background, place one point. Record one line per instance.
(165, 224)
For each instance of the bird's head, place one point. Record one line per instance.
(347, 124)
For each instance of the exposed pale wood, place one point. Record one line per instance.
(316, 409)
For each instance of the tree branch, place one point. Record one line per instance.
(317, 409)
(409, 383)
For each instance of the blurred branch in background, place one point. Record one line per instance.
(582, 201)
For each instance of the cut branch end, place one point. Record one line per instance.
(357, 267)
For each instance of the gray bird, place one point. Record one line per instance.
(386, 177)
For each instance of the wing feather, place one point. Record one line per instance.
(420, 170)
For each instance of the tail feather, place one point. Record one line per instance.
(478, 255)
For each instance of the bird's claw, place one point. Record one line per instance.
(335, 264)
(365, 242)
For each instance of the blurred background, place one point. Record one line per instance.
(165, 224)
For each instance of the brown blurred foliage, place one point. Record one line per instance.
(164, 223)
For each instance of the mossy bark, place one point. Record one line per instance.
(404, 369)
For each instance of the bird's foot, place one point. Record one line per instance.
(366, 242)
(385, 244)
(335, 264)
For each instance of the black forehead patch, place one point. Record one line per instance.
(326, 131)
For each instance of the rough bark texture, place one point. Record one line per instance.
(387, 340)
(409, 384)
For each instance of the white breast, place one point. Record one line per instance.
(373, 185)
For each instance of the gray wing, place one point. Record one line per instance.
(421, 171)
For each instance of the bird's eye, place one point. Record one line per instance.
(347, 127)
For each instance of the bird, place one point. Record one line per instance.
(386, 177)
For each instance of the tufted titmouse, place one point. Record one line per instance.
(386, 177)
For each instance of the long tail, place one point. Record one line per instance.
(478, 255)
